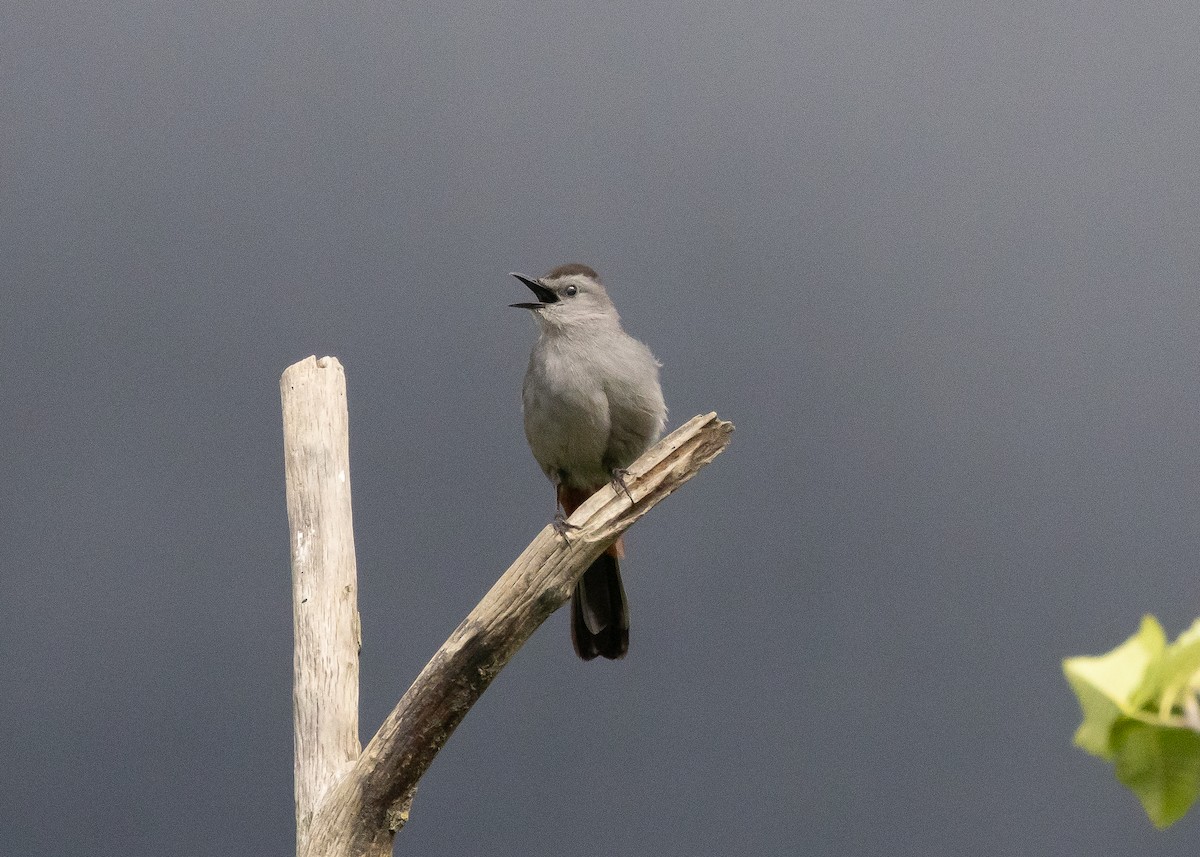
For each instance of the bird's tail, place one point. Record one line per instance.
(599, 611)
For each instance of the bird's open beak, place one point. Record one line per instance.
(544, 295)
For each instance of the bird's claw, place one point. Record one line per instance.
(561, 525)
(618, 480)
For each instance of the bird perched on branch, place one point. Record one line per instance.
(592, 404)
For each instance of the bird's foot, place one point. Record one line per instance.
(618, 481)
(562, 526)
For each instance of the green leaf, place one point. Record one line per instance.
(1111, 685)
(1161, 765)
(1168, 679)
(1131, 700)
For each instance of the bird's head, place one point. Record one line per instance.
(569, 296)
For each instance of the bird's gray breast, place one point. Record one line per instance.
(566, 414)
(592, 404)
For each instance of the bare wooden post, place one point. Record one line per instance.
(316, 447)
(350, 802)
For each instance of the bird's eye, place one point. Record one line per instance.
(572, 291)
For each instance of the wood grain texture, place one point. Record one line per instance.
(316, 441)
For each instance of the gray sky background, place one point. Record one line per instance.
(937, 261)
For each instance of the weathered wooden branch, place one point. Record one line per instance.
(316, 451)
(370, 801)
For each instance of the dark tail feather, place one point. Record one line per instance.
(599, 613)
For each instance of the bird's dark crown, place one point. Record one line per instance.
(572, 268)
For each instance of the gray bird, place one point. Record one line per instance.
(592, 405)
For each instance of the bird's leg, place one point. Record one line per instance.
(618, 481)
(560, 523)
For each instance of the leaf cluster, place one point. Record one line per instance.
(1141, 711)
